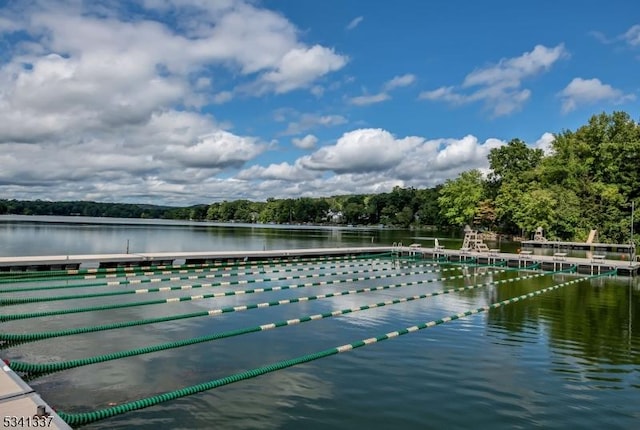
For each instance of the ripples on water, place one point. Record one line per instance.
(566, 359)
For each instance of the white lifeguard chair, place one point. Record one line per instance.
(472, 241)
(538, 236)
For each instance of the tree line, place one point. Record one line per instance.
(587, 181)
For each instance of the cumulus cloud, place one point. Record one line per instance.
(359, 151)
(372, 161)
(545, 143)
(307, 142)
(281, 171)
(219, 150)
(301, 66)
(588, 91)
(499, 86)
(354, 22)
(96, 103)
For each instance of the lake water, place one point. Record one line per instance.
(569, 358)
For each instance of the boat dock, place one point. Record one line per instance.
(22, 407)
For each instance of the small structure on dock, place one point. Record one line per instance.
(538, 236)
(472, 241)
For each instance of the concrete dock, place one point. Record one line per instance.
(21, 407)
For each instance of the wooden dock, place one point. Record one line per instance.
(21, 407)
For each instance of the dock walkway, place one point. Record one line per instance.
(22, 407)
(558, 261)
(608, 247)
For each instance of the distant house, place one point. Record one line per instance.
(334, 216)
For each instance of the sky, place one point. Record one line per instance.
(181, 102)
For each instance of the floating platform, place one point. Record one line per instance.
(605, 247)
(70, 262)
(559, 261)
(596, 264)
(21, 407)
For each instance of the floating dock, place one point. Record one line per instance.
(603, 247)
(70, 262)
(559, 261)
(21, 407)
(596, 264)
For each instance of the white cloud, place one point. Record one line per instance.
(360, 151)
(545, 143)
(317, 90)
(369, 99)
(632, 36)
(372, 161)
(588, 91)
(383, 95)
(7, 25)
(300, 67)
(281, 172)
(97, 106)
(400, 81)
(499, 86)
(219, 149)
(354, 22)
(310, 121)
(307, 142)
(222, 97)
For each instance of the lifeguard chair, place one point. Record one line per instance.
(538, 236)
(472, 241)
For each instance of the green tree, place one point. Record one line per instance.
(459, 197)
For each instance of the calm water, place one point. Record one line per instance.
(566, 359)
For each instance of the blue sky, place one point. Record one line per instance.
(186, 101)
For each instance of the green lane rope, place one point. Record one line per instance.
(23, 277)
(24, 300)
(39, 368)
(89, 417)
(14, 317)
(236, 272)
(28, 337)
